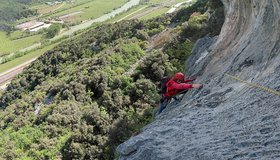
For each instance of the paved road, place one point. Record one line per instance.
(8, 75)
(84, 25)
(105, 17)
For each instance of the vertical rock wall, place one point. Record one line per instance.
(227, 119)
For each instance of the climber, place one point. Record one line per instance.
(174, 86)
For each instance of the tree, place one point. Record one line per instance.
(53, 30)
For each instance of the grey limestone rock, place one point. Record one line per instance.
(227, 119)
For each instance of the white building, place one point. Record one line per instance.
(33, 26)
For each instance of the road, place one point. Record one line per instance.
(103, 18)
(83, 25)
(8, 75)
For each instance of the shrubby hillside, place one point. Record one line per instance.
(78, 100)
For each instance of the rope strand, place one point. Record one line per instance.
(255, 85)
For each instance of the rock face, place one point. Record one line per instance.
(227, 119)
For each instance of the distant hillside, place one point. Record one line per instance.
(77, 100)
(12, 10)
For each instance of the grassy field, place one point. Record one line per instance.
(179, 1)
(155, 13)
(161, 10)
(143, 8)
(44, 9)
(91, 9)
(6, 66)
(16, 34)
(155, 1)
(8, 45)
(126, 15)
(137, 10)
(48, 9)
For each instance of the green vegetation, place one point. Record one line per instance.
(13, 10)
(17, 40)
(45, 9)
(197, 22)
(154, 8)
(185, 13)
(40, 48)
(8, 45)
(36, 53)
(102, 93)
(153, 1)
(87, 10)
(155, 13)
(53, 30)
(48, 10)
(76, 100)
(126, 15)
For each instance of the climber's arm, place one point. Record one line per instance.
(182, 86)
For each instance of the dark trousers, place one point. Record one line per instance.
(163, 103)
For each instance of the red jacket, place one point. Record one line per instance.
(174, 87)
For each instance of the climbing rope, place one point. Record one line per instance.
(254, 85)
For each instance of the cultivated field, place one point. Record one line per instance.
(44, 9)
(84, 10)
(87, 9)
(155, 13)
(8, 45)
(151, 9)
(6, 66)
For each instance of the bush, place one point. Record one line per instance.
(53, 30)
(26, 136)
(178, 52)
(123, 128)
(155, 66)
(196, 26)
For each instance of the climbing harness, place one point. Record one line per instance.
(254, 85)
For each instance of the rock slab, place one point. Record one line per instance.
(227, 119)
